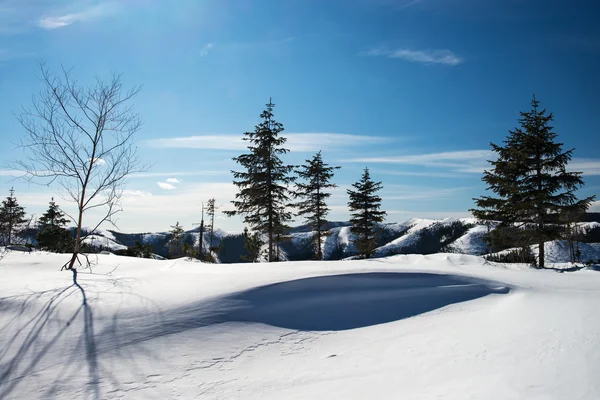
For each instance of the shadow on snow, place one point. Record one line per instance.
(340, 302)
(325, 303)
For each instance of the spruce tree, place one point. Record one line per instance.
(530, 179)
(316, 176)
(252, 244)
(52, 235)
(176, 243)
(365, 213)
(263, 184)
(12, 217)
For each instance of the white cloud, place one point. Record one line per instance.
(444, 57)
(301, 142)
(588, 166)
(99, 161)
(165, 186)
(173, 180)
(133, 196)
(467, 161)
(180, 173)
(205, 49)
(424, 159)
(595, 207)
(420, 193)
(463, 161)
(11, 172)
(184, 206)
(61, 21)
(429, 174)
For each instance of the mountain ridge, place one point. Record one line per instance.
(413, 236)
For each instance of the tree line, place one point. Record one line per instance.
(269, 190)
(81, 138)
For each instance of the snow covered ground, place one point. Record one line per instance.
(405, 327)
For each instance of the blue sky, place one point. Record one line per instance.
(415, 90)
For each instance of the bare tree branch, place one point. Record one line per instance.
(81, 138)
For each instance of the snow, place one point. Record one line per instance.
(152, 237)
(339, 238)
(443, 326)
(557, 251)
(104, 240)
(472, 241)
(412, 229)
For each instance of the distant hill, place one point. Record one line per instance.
(414, 236)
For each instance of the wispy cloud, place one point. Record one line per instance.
(588, 166)
(444, 57)
(61, 21)
(11, 172)
(166, 186)
(205, 49)
(301, 142)
(425, 194)
(133, 196)
(142, 175)
(468, 161)
(184, 206)
(424, 174)
(173, 180)
(410, 4)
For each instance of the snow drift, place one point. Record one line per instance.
(418, 327)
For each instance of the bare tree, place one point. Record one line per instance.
(81, 138)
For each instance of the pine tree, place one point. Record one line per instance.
(263, 185)
(140, 250)
(176, 243)
(253, 244)
(365, 210)
(12, 217)
(531, 182)
(52, 235)
(316, 176)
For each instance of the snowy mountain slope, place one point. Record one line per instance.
(414, 236)
(105, 241)
(471, 242)
(409, 326)
(410, 232)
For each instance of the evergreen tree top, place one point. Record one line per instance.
(53, 216)
(366, 186)
(266, 133)
(11, 208)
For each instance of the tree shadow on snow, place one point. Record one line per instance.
(325, 303)
(340, 302)
(35, 337)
